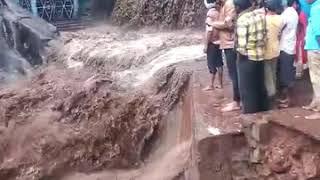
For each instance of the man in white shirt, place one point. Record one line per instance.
(288, 50)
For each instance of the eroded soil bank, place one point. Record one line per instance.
(272, 145)
(267, 151)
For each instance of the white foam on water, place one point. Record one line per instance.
(73, 51)
(214, 131)
(74, 64)
(172, 56)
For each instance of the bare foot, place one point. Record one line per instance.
(316, 109)
(309, 107)
(313, 116)
(208, 88)
(234, 106)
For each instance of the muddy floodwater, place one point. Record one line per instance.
(117, 104)
(107, 99)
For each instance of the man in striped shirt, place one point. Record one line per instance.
(250, 45)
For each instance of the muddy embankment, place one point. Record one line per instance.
(266, 151)
(107, 100)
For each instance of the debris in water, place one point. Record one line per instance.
(74, 64)
(81, 120)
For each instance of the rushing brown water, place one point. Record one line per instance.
(72, 118)
(115, 105)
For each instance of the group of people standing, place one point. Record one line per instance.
(261, 42)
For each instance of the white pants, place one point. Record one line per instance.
(314, 67)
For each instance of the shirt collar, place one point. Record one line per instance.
(245, 11)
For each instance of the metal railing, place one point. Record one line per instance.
(52, 10)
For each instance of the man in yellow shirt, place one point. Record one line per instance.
(274, 25)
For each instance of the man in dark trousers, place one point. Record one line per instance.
(250, 46)
(225, 25)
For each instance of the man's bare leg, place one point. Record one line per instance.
(211, 86)
(285, 100)
(220, 76)
(311, 106)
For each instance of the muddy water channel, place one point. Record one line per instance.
(117, 104)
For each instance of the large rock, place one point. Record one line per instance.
(168, 13)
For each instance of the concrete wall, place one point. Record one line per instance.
(102, 7)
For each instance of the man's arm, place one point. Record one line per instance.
(318, 39)
(242, 34)
(228, 22)
(208, 35)
(315, 24)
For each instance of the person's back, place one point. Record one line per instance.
(212, 16)
(289, 34)
(313, 48)
(286, 73)
(250, 44)
(274, 27)
(251, 28)
(313, 29)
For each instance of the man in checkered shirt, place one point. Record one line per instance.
(250, 46)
